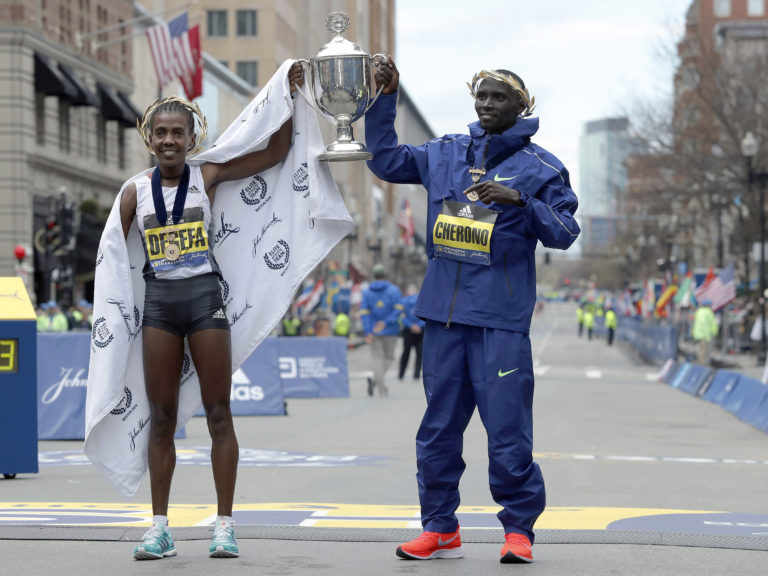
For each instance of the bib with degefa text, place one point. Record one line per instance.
(181, 245)
(463, 232)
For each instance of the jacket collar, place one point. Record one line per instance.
(515, 137)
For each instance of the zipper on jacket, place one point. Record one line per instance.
(455, 293)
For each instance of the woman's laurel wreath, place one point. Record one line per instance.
(273, 266)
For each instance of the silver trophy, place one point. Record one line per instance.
(341, 84)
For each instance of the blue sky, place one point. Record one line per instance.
(582, 59)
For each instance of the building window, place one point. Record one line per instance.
(64, 124)
(722, 8)
(40, 118)
(217, 23)
(755, 7)
(101, 138)
(246, 22)
(249, 71)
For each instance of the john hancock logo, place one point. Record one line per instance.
(100, 334)
(277, 258)
(255, 194)
(301, 179)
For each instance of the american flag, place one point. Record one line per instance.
(171, 51)
(405, 222)
(720, 291)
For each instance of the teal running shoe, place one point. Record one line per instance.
(223, 544)
(155, 544)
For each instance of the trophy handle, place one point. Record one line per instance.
(305, 64)
(375, 62)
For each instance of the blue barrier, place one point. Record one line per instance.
(670, 371)
(308, 367)
(695, 378)
(760, 420)
(653, 343)
(62, 375)
(722, 385)
(680, 374)
(313, 367)
(753, 392)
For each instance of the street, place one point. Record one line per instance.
(641, 478)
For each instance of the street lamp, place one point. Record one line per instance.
(749, 147)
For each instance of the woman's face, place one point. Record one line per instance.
(172, 137)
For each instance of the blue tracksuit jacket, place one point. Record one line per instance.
(381, 302)
(502, 295)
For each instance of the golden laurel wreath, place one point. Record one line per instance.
(528, 100)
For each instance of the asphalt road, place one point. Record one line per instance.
(641, 478)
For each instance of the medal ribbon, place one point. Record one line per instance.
(161, 211)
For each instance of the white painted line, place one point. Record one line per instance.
(320, 513)
(594, 374)
(207, 521)
(308, 522)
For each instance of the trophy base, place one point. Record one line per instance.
(345, 151)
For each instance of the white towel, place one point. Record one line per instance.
(270, 231)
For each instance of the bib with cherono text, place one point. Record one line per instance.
(463, 232)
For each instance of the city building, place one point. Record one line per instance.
(603, 150)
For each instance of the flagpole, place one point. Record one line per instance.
(79, 37)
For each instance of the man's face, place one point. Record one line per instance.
(497, 106)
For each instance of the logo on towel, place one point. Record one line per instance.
(301, 179)
(133, 331)
(277, 258)
(124, 404)
(255, 192)
(225, 231)
(100, 334)
(237, 315)
(99, 257)
(224, 290)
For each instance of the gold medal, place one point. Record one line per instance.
(172, 252)
(472, 196)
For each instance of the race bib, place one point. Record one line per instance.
(178, 246)
(463, 232)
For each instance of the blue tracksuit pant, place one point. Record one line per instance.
(463, 367)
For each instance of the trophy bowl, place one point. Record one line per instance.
(340, 81)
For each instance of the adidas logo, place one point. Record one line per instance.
(193, 190)
(466, 212)
(219, 314)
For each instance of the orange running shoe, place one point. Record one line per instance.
(432, 545)
(516, 550)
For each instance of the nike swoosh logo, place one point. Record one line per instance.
(441, 542)
(502, 374)
(498, 178)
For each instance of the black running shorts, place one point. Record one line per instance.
(185, 306)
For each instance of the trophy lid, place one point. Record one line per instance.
(339, 46)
